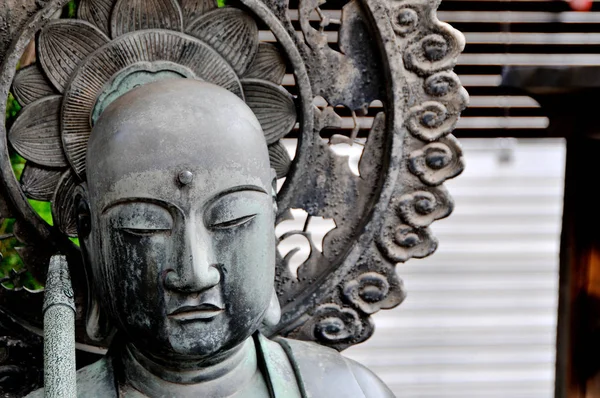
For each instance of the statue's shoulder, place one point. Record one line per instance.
(325, 372)
(93, 381)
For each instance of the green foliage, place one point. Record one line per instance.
(12, 109)
(10, 260)
(221, 3)
(44, 209)
(69, 10)
(18, 164)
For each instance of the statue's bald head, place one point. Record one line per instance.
(171, 126)
(180, 215)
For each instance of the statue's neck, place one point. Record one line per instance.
(232, 374)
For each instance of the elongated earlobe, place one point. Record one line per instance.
(97, 324)
(273, 314)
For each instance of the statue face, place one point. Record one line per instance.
(181, 243)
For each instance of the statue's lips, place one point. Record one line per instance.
(192, 312)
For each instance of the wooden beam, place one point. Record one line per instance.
(578, 337)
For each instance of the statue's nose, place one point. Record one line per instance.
(196, 268)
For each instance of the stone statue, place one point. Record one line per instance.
(177, 228)
(154, 129)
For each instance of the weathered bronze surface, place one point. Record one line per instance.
(188, 273)
(176, 228)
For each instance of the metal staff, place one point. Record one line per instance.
(59, 332)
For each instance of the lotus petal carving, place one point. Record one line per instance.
(63, 207)
(280, 159)
(35, 134)
(96, 12)
(62, 46)
(231, 32)
(39, 183)
(30, 85)
(192, 9)
(273, 106)
(268, 64)
(141, 46)
(132, 15)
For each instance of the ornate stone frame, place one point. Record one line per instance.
(409, 154)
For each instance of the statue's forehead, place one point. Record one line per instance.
(139, 148)
(199, 186)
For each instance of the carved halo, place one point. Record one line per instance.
(90, 71)
(381, 215)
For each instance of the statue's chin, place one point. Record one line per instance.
(190, 354)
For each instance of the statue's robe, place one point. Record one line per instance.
(292, 369)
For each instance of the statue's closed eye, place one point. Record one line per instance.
(143, 231)
(141, 219)
(236, 222)
(235, 209)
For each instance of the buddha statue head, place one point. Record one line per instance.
(176, 220)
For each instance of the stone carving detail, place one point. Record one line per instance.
(132, 15)
(63, 45)
(280, 159)
(420, 208)
(405, 20)
(381, 215)
(96, 12)
(273, 105)
(30, 85)
(372, 291)
(268, 64)
(402, 242)
(216, 26)
(430, 121)
(436, 162)
(434, 52)
(63, 208)
(35, 134)
(39, 183)
(334, 326)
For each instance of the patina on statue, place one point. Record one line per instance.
(177, 229)
(173, 198)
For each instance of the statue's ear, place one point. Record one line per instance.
(273, 314)
(98, 326)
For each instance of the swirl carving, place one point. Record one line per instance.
(430, 121)
(372, 291)
(405, 20)
(435, 52)
(436, 162)
(442, 84)
(402, 242)
(421, 208)
(334, 326)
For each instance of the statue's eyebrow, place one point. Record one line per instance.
(133, 200)
(239, 188)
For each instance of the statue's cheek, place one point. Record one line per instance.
(135, 263)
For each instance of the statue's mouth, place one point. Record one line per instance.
(194, 312)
